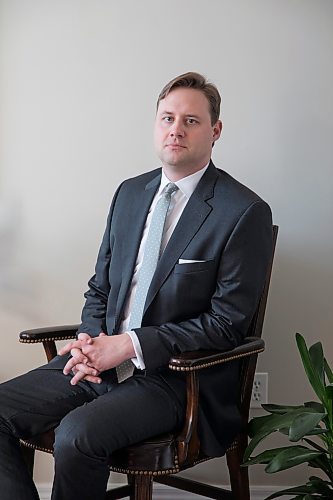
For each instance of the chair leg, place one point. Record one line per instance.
(29, 458)
(239, 476)
(142, 488)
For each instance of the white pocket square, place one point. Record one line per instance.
(189, 261)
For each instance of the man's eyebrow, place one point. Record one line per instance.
(187, 115)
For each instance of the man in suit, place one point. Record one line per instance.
(115, 388)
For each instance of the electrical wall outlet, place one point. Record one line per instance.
(259, 390)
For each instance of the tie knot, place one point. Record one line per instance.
(170, 188)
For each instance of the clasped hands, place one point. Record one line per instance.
(93, 355)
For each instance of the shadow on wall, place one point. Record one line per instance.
(301, 294)
(19, 287)
(302, 290)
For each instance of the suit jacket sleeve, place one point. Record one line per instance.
(240, 279)
(93, 319)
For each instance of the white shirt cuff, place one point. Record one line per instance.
(138, 360)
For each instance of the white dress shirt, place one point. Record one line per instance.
(186, 186)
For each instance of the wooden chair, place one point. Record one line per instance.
(159, 458)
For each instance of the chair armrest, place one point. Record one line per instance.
(48, 337)
(197, 360)
(48, 333)
(188, 443)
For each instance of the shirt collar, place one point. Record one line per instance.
(187, 184)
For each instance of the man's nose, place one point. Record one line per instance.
(177, 130)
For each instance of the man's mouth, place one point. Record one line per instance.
(175, 146)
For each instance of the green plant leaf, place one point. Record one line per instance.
(318, 431)
(328, 371)
(319, 485)
(323, 463)
(261, 427)
(329, 392)
(256, 424)
(303, 424)
(300, 491)
(317, 358)
(276, 421)
(254, 443)
(284, 431)
(315, 406)
(315, 445)
(265, 457)
(292, 456)
(280, 409)
(313, 376)
(298, 422)
(315, 485)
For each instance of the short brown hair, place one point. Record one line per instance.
(196, 81)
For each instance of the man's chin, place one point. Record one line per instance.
(175, 161)
(175, 165)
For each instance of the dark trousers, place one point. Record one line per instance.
(91, 422)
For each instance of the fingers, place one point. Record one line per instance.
(68, 347)
(83, 367)
(69, 366)
(85, 337)
(74, 361)
(78, 357)
(90, 378)
(87, 370)
(78, 375)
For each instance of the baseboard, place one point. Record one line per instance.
(162, 492)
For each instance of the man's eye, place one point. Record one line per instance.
(167, 119)
(191, 121)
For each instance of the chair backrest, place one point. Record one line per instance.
(249, 364)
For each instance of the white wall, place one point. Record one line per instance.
(79, 80)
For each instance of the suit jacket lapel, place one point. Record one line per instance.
(192, 218)
(135, 224)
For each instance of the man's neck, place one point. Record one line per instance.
(175, 175)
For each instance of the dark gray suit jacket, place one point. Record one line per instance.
(202, 305)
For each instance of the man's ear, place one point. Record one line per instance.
(217, 130)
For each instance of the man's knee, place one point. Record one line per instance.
(76, 438)
(7, 413)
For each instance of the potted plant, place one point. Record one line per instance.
(308, 427)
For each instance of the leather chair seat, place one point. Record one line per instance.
(156, 456)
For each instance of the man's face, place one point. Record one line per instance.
(183, 132)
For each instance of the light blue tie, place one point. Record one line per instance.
(150, 259)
